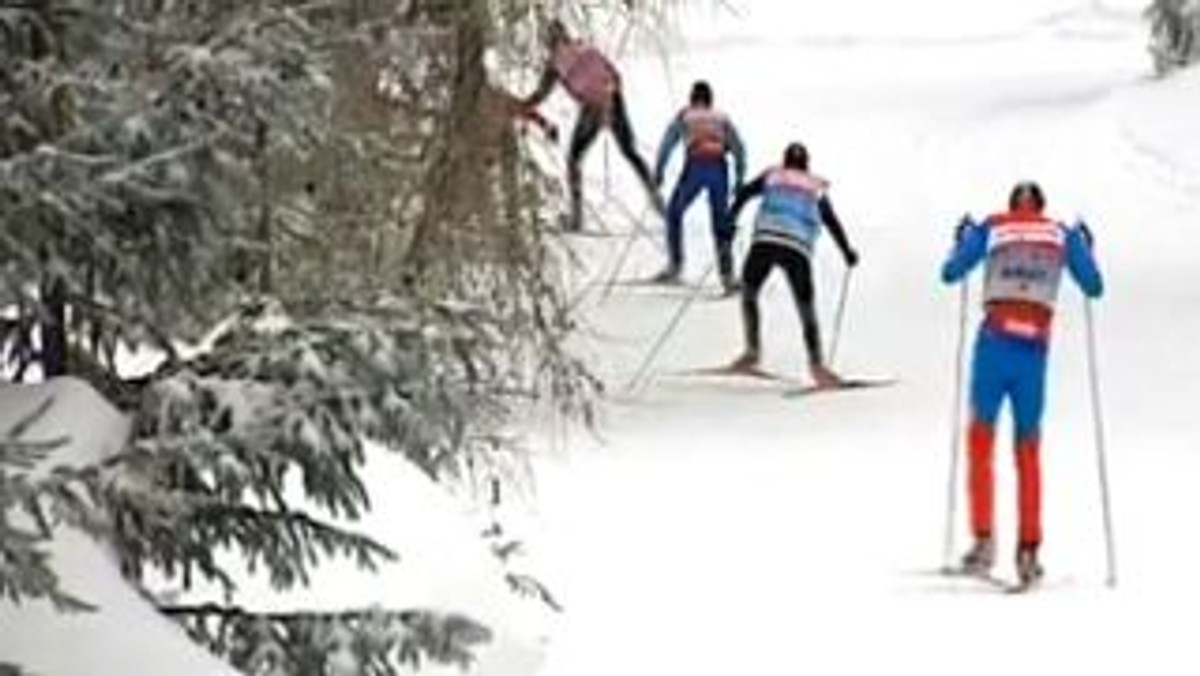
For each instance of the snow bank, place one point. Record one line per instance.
(126, 635)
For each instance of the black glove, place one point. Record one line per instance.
(1086, 233)
(851, 257)
(964, 224)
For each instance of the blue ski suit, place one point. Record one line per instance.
(1024, 255)
(708, 136)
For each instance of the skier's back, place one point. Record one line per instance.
(1024, 254)
(595, 84)
(708, 137)
(795, 208)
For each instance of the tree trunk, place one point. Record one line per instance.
(54, 328)
(453, 185)
(266, 281)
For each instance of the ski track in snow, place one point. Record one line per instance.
(719, 527)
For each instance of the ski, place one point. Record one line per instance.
(992, 581)
(843, 384)
(656, 283)
(675, 288)
(732, 370)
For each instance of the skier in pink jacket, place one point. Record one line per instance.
(593, 81)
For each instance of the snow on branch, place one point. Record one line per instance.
(25, 528)
(374, 642)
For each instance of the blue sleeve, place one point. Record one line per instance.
(1082, 264)
(671, 138)
(969, 250)
(738, 150)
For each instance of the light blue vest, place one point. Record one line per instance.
(788, 214)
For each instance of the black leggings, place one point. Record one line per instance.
(591, 120)
(762, 258)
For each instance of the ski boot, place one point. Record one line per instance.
(1029, 571)
(747, 363)
(822, 377)
(730, 285)
(978, 561)
(669, 275)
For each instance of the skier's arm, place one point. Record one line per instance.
(1081, 263)
(671, 137)
(834, 225)
(544, 87)
(738, 150)
(744, 194)
(969, 250)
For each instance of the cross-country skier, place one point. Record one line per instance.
(1024, 253)
(593, 81)
(795, 206)
(708, 136)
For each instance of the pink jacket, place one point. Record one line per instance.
(585, 73)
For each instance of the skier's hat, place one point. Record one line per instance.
(702, 93)
(555, 32)
(1026, 194)
(795, 156)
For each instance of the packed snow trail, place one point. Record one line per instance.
(719, 527)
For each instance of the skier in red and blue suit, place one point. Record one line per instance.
(1024, 253)
(708, 136)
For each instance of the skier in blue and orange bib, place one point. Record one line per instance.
(795, 208)
(1024, 253)
(708, 136)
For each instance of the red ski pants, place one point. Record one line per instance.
(981, 484)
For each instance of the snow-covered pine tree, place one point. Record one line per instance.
(178, 170)
(1174, 33)
(25, 571)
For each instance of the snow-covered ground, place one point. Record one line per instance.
(718, 527)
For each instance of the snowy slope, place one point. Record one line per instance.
(125, 635)
(717, 527)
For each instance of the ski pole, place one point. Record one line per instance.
(623, 256)
(839, 315)
(955, 431)
(643, 369)
(1101, 462)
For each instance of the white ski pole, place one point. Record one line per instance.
(839, 314)
(640, 376)
(956, 433)
(1101, 461)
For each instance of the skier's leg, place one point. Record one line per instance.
(1028, 403)
(627, 143)
(799, 276)
(754, 274)
(681, 198)
(587, 127)
(987, 394)
(717, 182)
